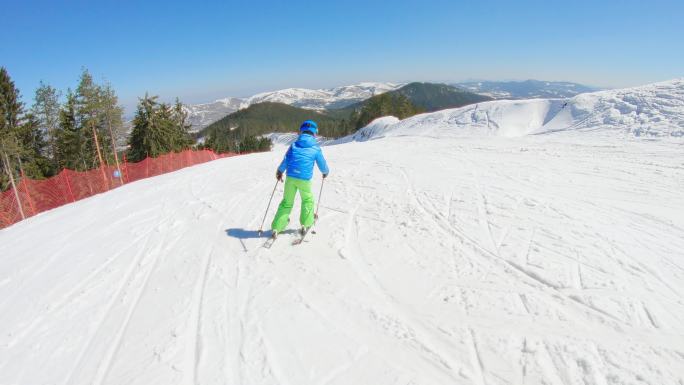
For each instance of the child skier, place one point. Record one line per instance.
(298, 164)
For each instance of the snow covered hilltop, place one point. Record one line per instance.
(512, 242)
(654, 110)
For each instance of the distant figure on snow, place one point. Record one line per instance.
(298, 164)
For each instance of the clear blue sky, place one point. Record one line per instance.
(200, 51)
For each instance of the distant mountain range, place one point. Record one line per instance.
(528, 89)
(433, 97)
(202, 115)
(323, 99)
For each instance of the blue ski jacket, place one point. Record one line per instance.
(301, 156)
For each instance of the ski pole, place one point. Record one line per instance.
(268, 207)
(318, 205)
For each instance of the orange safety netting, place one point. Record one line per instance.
(68, 186)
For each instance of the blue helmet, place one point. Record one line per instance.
(309, 125)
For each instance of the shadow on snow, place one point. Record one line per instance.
(249, 234)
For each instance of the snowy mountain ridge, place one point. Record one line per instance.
(201, 115)
(319, 99)
(653, 110)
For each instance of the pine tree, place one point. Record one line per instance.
(11, 108)
(46, 111)
(164, 136)
(88, 114)
(69, 137)
(180, 118)
(11, 111)
(31, 158)
(112, 122)
(139, 139)
(158, 129)
(22, 142)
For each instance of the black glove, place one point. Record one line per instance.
(325, 176)
(279, 175)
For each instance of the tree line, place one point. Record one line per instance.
(82, 131)
(390, 103)
(244, 130)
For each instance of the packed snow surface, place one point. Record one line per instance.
(552, 258)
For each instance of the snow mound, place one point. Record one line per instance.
(655, 110)
(374, 129)
(652, 110)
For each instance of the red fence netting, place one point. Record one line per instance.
(36, 196)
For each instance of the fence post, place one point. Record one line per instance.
(126, 169)
(99, 156)
(116, 156)
(26, 190)
(90, 186)
(66, 179)
(14, 186)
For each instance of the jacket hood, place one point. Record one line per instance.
(305, 141)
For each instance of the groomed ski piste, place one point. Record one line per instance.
(509, 242)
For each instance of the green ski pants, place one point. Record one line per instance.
(306, 217)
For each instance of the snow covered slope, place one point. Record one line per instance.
(541, 259)
(654, 110)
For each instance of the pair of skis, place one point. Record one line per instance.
(302, 235)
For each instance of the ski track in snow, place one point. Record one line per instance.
(529, 260)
